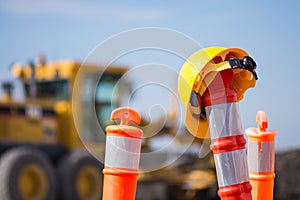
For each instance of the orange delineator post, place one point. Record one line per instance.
(227, 139)
(261, 158)
(122, 155)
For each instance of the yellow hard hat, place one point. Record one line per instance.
(199, 71)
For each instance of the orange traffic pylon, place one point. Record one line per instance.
(261, 158)
(122, 156)
(227, 139)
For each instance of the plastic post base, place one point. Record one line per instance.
(119, 185)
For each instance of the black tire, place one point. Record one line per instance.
(16, 164)
(69, 170)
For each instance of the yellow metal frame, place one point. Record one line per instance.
(17, 128)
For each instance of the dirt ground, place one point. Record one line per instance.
(287, 180)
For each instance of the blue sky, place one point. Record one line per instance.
(268, 30)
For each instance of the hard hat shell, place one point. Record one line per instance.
(198, 72)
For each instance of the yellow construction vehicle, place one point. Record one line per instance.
(42, 156)
(42, 148)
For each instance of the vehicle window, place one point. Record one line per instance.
(103, 98)
(106, 98)
(54, 90)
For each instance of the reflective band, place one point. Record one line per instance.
(224, 120)
(230, 143)
(231, 167)
(261, 157)
(127, 150)
(241, 191)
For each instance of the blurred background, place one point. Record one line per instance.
(268, 31)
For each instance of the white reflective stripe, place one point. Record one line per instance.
(263, 160)
(231, 167)
(224, 120)
(122, 152)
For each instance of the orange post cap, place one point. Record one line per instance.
(262, 121)
(126, 115)
(261, 133)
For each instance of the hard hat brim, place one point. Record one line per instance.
(195, 125)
